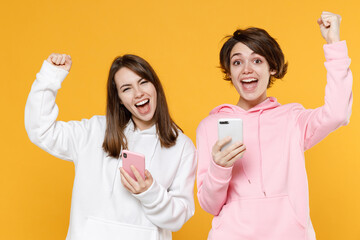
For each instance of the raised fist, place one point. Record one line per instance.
(330, 26)
(60, 60)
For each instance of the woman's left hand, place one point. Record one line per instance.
(330, 26)
(136, 186)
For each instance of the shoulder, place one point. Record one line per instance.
(221, 111)
(211, 120)
(96, 123)
(184, 142)
(290, 111)
(292, 107)
(289, 107)
(98, 120)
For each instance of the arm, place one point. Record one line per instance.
(167, 208)
(56, 137)
(317, 124)
(213, 179)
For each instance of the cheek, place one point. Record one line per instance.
(152, 91)
(234, 83)
(233, 72)
(264, 73)
(237, 86)
(121, 101)
(155, 97)
(120, 97)
(124, 99)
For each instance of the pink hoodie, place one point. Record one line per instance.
(264, 196)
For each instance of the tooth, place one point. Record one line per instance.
(141, 103)
(249, 80)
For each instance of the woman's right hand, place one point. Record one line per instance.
(60, 60)
(227, 157)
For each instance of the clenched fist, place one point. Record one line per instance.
(60, 60)
(330, 26)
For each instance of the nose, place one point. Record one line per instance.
(138, 92)
(247, 68)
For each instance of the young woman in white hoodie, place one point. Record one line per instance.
(106, 202)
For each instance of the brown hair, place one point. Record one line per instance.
(260, 42)
(117, 116)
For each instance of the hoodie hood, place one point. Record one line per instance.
(142, 141)
(130, 127)
(268, 103)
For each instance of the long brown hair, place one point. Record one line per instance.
(117, 116)
(260, 42)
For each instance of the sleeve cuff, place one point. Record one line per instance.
(52, 73)
(335, 51)
(219, 173)
(149, 197)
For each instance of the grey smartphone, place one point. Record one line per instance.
(232, 127)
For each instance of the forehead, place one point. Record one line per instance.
(241, 49)
(125, 75)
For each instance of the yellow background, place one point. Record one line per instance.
(181, 39)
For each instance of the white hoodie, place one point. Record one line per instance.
(101, 208)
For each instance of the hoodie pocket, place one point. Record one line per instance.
(264, 218)
(100, 229)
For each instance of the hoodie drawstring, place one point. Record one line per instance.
(117, 165)
(243, 168)
(147, 163)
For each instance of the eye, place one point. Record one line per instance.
(236, 63)
(144, 81)
(125, 89)
(257, 61)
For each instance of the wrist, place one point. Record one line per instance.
(333, 40)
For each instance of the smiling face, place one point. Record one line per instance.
(250, 74)
(138, 95)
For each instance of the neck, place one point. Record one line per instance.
(246, 105)
(142, 125)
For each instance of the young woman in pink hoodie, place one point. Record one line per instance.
(257, 189)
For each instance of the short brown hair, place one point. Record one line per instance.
(117, 116)
(260, 42)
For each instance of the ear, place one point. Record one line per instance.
(272, 72)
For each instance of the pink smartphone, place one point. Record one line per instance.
(135, 159)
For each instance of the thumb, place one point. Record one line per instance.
(319, 21)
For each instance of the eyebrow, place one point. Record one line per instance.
(128, 84)
(235, 54)
(238, 54)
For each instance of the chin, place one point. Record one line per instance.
(147, 118)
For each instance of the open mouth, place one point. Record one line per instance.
(143, 106)
(249, 84)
